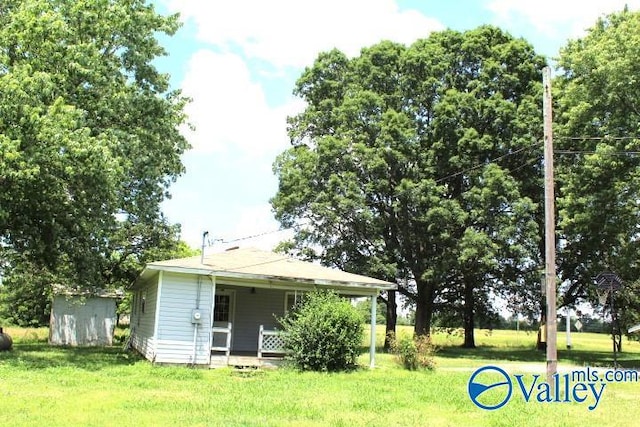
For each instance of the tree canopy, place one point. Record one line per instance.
(414, 164)
(89, 139)
(598, 124)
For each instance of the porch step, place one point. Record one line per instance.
(245, 362)
(245, 369)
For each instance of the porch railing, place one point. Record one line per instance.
(226, 348)
(270, 342)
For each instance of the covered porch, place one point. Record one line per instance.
(246, 331)
(223, 308)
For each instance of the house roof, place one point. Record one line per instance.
(250, 264)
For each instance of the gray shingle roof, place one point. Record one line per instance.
(251, 262)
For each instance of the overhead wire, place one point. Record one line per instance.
(611, 153)
(596, 138)
(494, 160)
(482, 164)
(253, 236)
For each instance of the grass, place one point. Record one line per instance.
(53, 386)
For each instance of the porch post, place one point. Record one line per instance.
(213, 306)
(372, 345)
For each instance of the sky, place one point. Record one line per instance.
(238, 61)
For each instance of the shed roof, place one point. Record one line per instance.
(252, 264)
(87, 292)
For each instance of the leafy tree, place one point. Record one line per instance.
(598, 176)
(27, 288)
(89, 139)
(26, 295)
(406, 165)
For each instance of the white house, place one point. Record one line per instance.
(223, 308)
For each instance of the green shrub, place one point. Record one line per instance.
(323, 333)
(413, 352)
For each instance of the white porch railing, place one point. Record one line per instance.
(270, 341)
(226, 348)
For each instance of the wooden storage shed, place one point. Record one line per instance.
(83, 318)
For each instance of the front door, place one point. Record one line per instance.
(223, 310)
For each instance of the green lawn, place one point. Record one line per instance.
(41, 385)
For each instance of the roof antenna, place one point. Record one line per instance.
(204, 239)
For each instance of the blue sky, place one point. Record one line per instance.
(238, 60)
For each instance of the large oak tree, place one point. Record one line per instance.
(413, 164)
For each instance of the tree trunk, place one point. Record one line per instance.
(617, 342)
(391, 318)
(424, 308)
(468, 315)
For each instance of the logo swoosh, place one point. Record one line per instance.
(476, 389)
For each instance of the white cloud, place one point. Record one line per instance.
(250, 48)
(556, 18)
(292, 32)
(229, 109)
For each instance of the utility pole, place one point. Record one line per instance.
(549, 229)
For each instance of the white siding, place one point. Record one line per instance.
(175, 338)
(143, 322)
(79, 321)
(253, 309)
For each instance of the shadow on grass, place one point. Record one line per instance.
(41, 355)
(531, 355)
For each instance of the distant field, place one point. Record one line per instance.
(45, 386)
(511, 346)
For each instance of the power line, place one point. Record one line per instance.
(253, 236)
(479, 165)
(525, 164)
(265, 233)
(596, 138)
(482, 164)
(611, 153)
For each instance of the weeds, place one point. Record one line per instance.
(413, 352)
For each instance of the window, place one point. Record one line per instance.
(222, 308)
(291, 299)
